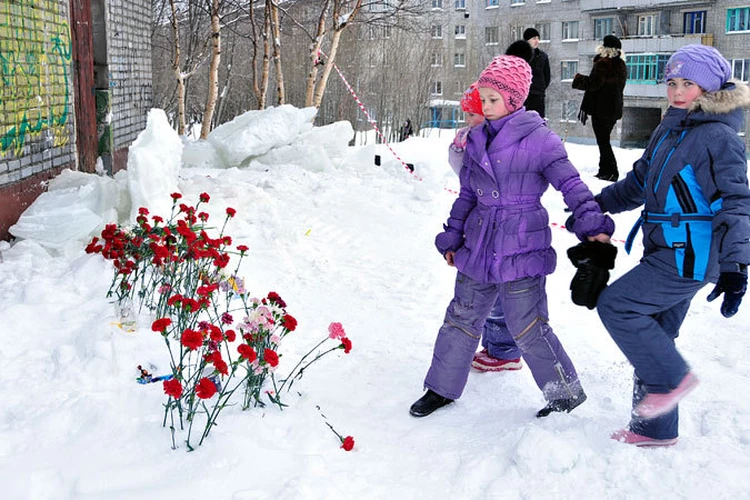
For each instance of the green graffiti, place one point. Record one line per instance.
(35, 59)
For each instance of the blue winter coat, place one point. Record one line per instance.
(692, 182)
(498, 226)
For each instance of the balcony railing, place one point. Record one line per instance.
(594, 5)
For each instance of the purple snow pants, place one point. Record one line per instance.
(525, 305)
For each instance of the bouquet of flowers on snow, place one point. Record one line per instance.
(220, 339)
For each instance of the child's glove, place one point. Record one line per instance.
(459, 142)
(733, 285)
(592, 259)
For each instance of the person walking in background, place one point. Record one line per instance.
(540, 74)
(602, 100)
(406, 130)
(498, 238)
(692, 179)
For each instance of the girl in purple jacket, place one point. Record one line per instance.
(498, 237)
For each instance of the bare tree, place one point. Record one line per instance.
(213, 72)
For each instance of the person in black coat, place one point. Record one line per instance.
(540, 73)
(602, 100)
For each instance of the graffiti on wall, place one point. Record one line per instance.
(35, 56)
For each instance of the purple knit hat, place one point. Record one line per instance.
(511, 77)
(700, 63)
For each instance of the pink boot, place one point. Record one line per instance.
(483, 362)
(656, 405)
(630, 437)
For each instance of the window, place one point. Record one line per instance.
(602, 28)
(459, 60)
(437, 88)
(437, 4)
(517, 2)
(569, 111)
(694, 22)
(738, 19)
(543, 29)
(437, 31)
(458, 88)
(460, 4)
(647, 25)
(491, 36)
(460, 31)
(646, 68)
(492, 3)
(741, 69)
(568, 69)
(516, 31)
(387, 31)
(570, 30)
(436, 59)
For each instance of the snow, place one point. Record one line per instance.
(340, 240)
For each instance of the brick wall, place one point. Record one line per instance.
(37, 130)
(129, 63)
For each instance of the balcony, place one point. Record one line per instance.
(662, 44)
(604, 5)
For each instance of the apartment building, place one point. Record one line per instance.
(466, 34)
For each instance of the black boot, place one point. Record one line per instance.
(566, 405)
(428, 403)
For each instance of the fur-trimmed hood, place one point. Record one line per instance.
(734, 95)
(610, 52)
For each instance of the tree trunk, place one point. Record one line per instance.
(276, 30)
(266, 69)
(181, 122)
(315, 54)
(213, 72)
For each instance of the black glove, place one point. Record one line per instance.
(592, 259)
(733, 285)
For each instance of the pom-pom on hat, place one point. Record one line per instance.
(470, 101)
(700, 63)
(612, 42)
(520, 48)
(511, 77)
(530, 33)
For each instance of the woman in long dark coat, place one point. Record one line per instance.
(603, 100)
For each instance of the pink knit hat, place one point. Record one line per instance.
(470, 101)
(511, 77)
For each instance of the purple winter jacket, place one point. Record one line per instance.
(498, 226)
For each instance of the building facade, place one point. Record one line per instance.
(466, 34)
(75, 86)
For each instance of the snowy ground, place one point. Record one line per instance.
(344, 240)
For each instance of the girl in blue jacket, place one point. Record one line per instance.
(692, 184)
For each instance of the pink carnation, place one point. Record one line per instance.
(336, 331)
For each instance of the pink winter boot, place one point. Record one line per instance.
(656, 405)
(630, 437)
(483, 362)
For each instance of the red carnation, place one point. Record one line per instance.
(176, 196)
(247, 352)
(173, 388)
(270, 357)
(242, 248)
(231, 212)
(289, 322)
(347, 443)
(161, 324)
(231, 335)
(191, 339)
(205, 389)
(204, 197)
(275, 297)
(346, 345)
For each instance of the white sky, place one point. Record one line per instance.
(340, 240)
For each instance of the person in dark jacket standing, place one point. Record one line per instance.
(602, 100)
(540, 74)
(692, 190)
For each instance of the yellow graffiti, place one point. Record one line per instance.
(35, 57)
